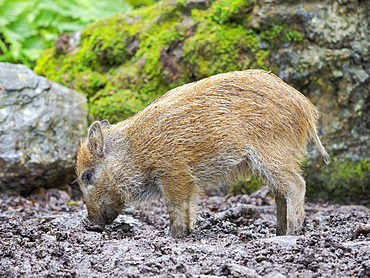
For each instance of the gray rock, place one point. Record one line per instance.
(330, 65)
(242, 210)
(41, 123)
(284, 242)
(274, 274)
(242, 271)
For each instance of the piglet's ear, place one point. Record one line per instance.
(96, 139)
(104, 123)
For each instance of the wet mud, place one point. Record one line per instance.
(234, 236)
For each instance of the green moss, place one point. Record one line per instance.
(136, 52)
(117, 106)
(88, 81)
(342, 180)
(229, 11)
(217, 49)
(221, 43)
(279, 34)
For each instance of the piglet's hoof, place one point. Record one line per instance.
(179, 231)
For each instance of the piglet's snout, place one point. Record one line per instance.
(108, 214)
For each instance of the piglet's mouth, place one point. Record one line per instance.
(108, 214)
(91, 225)
(97, 222)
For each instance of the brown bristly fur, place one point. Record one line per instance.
(202, 136)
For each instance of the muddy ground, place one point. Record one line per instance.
(44, 236)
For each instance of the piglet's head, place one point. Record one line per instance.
(94, 176)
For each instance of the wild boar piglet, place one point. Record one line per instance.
(198, 137)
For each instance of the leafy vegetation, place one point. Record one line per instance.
(27, 28)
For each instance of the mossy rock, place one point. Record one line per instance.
(344, 180)
(124, 62)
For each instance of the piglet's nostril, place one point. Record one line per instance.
(110, 217)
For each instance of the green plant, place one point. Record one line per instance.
(27, 28)
(72, 203)
(245, 185)
(342, 180)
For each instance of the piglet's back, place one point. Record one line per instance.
(253, 104)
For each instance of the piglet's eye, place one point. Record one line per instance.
(87, 176)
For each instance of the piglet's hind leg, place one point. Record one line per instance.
(290, 206)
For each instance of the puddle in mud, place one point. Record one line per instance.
(233, 237)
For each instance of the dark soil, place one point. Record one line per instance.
(234, 236)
